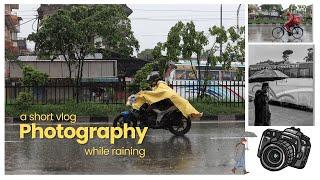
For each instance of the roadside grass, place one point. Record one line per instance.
(219, 108)
(274, 21)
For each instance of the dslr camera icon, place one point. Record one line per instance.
(279, 149)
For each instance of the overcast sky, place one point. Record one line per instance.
(259, 53)
(151, 23)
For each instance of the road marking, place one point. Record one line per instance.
(13, 141)
(216, 122)
(213, 138)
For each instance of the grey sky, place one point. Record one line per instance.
(259, 53)
(151, 23)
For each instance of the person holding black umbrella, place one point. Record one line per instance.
(261, 104)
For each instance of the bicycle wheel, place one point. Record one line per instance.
(297, 32)
(277, 32)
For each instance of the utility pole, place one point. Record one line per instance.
(238, 17)
(220, 27)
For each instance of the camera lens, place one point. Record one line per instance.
(277, 156)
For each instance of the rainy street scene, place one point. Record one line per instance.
(176, 70)
(280, 23)
(209, 148)
(281, 85)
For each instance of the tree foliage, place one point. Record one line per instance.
(172, 45)
(184, 40)
(234, 42)
(310, 54)
(71, 33)
(140, 78)
(146, 54)
(157, 50)
(33, 77)
(30, 78)
(24, 100)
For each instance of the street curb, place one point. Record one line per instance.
(237, 117)
(88, 119)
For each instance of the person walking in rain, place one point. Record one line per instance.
(240, 156)
(261, 105)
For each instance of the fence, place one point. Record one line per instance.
(224, 92)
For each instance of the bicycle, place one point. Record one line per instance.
(296, 31)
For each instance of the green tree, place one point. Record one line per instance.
(234, 43)
(193, 43)
(278, 8)
(286, 54)
(159, 61)
(140, 78)
(309, 57)
(309, 11)
(292, 8)
(157, 50)
(146, 54)
(173, 43)
(252, 8)
(33, 77)
(71, 33)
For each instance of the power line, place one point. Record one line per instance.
(183, 19)
(26, 10)
(182, 10)
(27, 15)
(27, 21)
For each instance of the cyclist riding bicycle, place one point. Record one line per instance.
(292, 21)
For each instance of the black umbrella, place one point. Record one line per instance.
(267, 75)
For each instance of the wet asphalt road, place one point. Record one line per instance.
(282, 116)
(207, 149)
(263, 33)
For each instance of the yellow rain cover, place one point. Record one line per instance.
(163, 91)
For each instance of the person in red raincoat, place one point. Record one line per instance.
(292, 21)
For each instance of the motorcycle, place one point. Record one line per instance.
(159, 115)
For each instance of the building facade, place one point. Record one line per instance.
(293, 70)
(14, 45)
(12, 28)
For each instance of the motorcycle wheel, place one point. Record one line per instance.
(182, 127)
(120, 120)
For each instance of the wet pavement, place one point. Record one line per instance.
(263, 33)
(207, 149)
(281, 116)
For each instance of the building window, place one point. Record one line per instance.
(180, 74)
(304, 72)
(212, 75)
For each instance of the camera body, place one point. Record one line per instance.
(279, 149)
